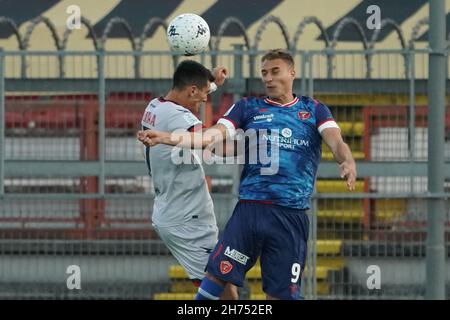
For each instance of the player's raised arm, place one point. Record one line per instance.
(342, 154)
(194, 140)
(220, 75)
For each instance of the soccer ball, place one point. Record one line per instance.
(188, 34)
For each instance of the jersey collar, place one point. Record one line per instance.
(161, 99)
(274, 103)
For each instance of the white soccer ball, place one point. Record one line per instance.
(188, 34)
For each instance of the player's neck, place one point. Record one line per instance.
(176, 97)
(284, 99)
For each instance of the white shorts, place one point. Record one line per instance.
(191, 245)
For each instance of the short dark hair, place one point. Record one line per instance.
(190, 72)
(279, 54)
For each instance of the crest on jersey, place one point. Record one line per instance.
(304, 115)
(225, 267)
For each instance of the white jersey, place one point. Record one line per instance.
(181, 191)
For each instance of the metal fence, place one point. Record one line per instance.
(74, 188)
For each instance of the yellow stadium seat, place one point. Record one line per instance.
(331, 263)
(255, 286)
(177, 272)
(257, 296)
(185, 286)
(341, 215)
(328, 246)
(174, 296)
(337, 186)
(341, 204)
(387, 210)
(323, 287)
(321, 272)
(351, 128)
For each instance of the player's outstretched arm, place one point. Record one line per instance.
(184, 139)
(225, 148)
(342, 154)
(220, 74)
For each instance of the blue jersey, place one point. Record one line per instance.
(295, 128)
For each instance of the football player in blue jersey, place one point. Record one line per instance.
(269, 221)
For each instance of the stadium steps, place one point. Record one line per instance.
(339, 210)
(341, 215)
(339, 218)
(183, 289)
(174, 296)
(337, 186)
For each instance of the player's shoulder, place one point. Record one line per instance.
(248, 102)
(312, 103)
(240, 106)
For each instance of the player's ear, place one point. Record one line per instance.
(192, 90)
(292, 72)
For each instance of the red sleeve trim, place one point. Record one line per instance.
(234, 123)
(328, 120)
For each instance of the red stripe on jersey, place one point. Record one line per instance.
(217, 252)
(274, 103)
(316, 103)
(323, 122)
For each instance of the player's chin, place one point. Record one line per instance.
(272, 92)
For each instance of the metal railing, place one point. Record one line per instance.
(74, 188)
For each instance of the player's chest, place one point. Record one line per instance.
(295, 122)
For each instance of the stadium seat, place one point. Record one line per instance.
(174, 296)
(351, 128)
(337, 186)
(388, 210)
(182, 287)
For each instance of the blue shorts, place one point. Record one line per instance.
(276, 234)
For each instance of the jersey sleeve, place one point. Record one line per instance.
(182, 119)
(324, 118)
(234, 117)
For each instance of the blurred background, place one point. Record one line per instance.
(74, 189)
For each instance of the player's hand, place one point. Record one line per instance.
(220, 74)
(347, 170)
(150, 137)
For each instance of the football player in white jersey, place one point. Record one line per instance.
(183, 212)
